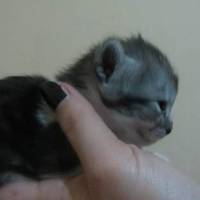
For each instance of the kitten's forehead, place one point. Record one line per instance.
(154, 82)
(151, 72)
(145, 72)
(137, 80)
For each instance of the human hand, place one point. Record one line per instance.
(112, 169)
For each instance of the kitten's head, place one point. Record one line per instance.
(137, 87)
(132, 86)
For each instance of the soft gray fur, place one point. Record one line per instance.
(132, 86)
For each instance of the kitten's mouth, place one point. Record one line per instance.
(152, 134)
(155, 134)
(160, 129)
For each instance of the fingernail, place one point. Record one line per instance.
(52, 93)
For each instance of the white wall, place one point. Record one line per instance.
(41, 36)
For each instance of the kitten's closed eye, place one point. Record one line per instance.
(162, 105)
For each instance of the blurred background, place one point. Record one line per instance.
(43, 36)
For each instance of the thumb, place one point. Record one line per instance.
(90, 137)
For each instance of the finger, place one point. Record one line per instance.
(91, 138)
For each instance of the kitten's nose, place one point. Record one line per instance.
(166, 124)
(168, 127)
(168, 131)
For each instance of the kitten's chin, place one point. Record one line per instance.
(140, 138)
(152, 136)
(137, 137)
(139, 133)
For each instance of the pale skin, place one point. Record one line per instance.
(111, 168)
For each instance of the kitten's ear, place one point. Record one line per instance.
(108, 57)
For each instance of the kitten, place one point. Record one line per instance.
(129, 82)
